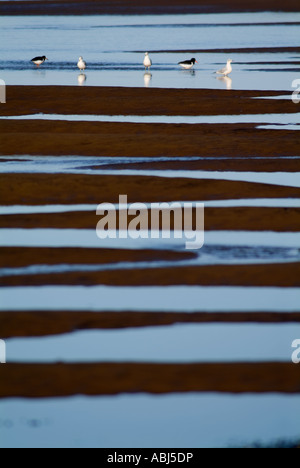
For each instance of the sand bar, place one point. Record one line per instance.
(69, 189)
(264, 275)
(22, 324)
(54, 380)
(222, 219)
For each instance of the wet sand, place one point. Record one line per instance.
(266, 275)
(152, 140)
(34, 324)
(216, 219)
(142, 7)
(68, 189)
(26, 100)
(54, 380)
(238, 141)
(20, 257)
(226, 164)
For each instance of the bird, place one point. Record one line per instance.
(147, 61)
(188, 64)
(39, 60)
(226, 70)
(81, 64)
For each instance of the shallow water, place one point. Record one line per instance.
(174, 344)
(157, 299)
(82, 165)
(256, 202)
(283, 120)
(113, 48)
(150, 421)
(85, 238)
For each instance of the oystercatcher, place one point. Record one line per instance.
(81, 64)
(188, 64)
(39, 60)
(226, 70)
(147, 61)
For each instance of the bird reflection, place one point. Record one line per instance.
(227, 80)
(39, 72)
(81, 79)
(147, 79)
(188, 72)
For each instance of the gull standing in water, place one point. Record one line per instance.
(227, 70)
(39, 60)
(81, 64)
(188, 64)
(147, 61)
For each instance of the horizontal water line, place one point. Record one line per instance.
(251, 202)
(209, 255)
(280, 119)
(87, 238)
(177, 344)
(150, 299)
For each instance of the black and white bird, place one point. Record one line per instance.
(39, 60)
(188, 64)
(226, 70)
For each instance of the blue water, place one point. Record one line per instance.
(114, 46)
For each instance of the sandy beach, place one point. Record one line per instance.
(63, 152)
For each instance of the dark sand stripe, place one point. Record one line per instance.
(149, 140)
(58, 380)
(23, 100)
(216, 219)
(11, 257)
(226, 164)
(66, 189)
(272, 275)
(31, 324)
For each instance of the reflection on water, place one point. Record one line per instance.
(81, 79)
(110, 45)
(147, 79)
(226, 80)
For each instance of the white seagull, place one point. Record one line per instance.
(81, 64)
(147, 61)
(226, 70)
